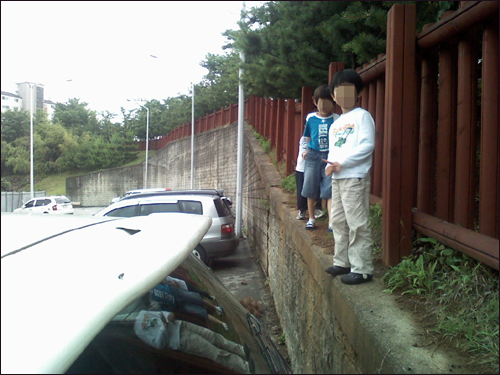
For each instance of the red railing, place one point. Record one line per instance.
(435, 112)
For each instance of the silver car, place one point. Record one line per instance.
(138, 191)
(220, 240)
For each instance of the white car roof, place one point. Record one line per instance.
(58, 291)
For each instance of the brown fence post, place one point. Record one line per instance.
(277, 134)
(378, 153)
(399, 150)
(489, 185)
(372, 96)
(445, 182)
(465, 184)
(307, 106)
(289, 138)
(269, 125)
(333, 68)
(428, 124)
(261, 112)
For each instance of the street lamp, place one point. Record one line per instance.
(147, 143)
(192, 139)
(32, 174)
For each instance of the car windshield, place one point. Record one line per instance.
(129, 343)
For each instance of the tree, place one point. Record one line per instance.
(75, 117)
(219, 87)
(290, 44)
(15, 124)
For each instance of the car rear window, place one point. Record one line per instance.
(42, 202)
(128, 211)
(147, 209)
(222, 210)
(189, 207)
(62, 200)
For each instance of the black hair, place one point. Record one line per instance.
(347, 76)
(322, 92)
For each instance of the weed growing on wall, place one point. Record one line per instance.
(376, 226)
(288, 183)
(264, 203)
(460, 293)
(264, 143)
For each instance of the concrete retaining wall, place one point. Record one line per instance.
(329, 327)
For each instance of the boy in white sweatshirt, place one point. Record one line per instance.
(351, 144)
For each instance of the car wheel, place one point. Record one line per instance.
(201, 254)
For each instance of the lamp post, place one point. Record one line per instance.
(147, 144)
(192, 139)
(32, 173)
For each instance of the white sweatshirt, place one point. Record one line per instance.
(352, 140)
(301, 163)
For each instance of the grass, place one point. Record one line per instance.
(460, 296)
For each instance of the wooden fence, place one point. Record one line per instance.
(435, 101)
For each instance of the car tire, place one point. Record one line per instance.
(201, 254)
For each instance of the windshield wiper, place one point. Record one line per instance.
(273, 357)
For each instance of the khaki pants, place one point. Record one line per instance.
(205, 343)
(350, 220)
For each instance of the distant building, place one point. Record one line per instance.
(49, 106)
(31, 91)
(11, 101)
(22, 99)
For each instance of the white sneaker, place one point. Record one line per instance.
(318, 213)
(310, 224)
(301, 215)
(219, 310)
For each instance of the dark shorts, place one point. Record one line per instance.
(189, 302)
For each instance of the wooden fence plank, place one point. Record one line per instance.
(288, 141)
(400, 117)
(426, 188)
(278, 129)
(489, 185)
(378, 158)
(465, 168)
(445, 182)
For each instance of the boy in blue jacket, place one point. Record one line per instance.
(316, 134)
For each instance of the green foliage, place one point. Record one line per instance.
(264, 143)
(15, 124)
(75, 116)
(264, 203)
(290, 44)
(219, 87)
(282, 339)
(289, 184)
(460, 292)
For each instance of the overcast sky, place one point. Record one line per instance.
(104, 48)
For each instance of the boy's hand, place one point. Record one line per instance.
(332, 167)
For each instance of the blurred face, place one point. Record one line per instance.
(324, 105)
(345, 95)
